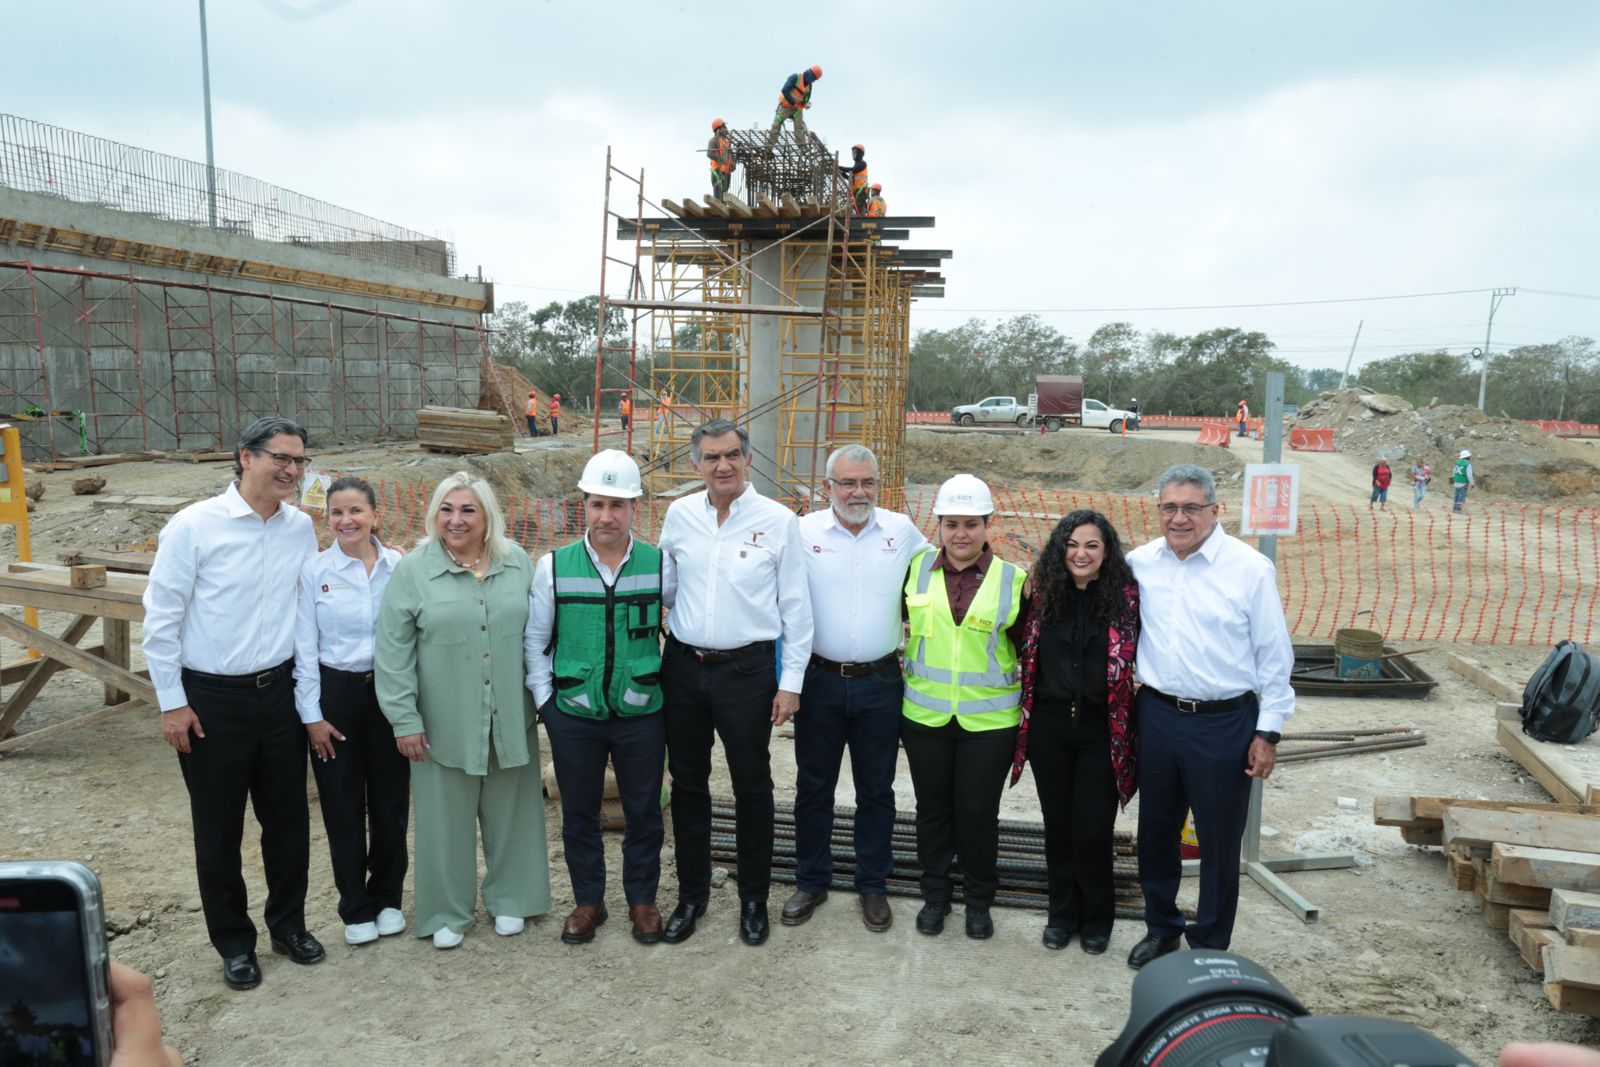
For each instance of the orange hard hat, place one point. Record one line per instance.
(816, 72)
(558, 396)
(717, 124)
(858, 148)
(877, 188)
(533, 392)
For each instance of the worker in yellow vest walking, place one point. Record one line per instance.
(719, 150)
(876, 207)
(793, 99)
(967, 610)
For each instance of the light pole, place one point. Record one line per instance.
(1494, 305)
(211, 161)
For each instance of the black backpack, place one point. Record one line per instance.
(1562, 701)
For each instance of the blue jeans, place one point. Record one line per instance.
(1418, 491)
(1461, 497)
(863, 714)
(1380, 495)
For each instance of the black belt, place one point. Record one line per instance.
(258, 680)
(726, 655)
(1201, 707)
(855, 670)
(362, 677)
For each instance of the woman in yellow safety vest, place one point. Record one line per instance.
(967, 610)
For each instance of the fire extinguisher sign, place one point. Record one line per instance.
(1271, 499)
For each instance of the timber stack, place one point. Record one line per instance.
(463, 430)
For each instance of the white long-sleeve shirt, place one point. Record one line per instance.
(744, 581)
(336, 614)
(542, 618)
(857, 582)
(221, 597)
(1212, 626)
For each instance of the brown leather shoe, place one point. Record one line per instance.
(875, 913)
(798, 908)
(646, 919)
(579, 927)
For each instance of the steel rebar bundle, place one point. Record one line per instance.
(799, 167)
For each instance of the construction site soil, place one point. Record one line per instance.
(1394, 938)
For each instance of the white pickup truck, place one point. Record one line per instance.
(991, 409)
(1005, 409)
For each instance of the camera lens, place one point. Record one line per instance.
(1201, 1009)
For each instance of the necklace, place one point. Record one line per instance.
(464, 566)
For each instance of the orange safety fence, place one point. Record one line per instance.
(1506, 574)
(1182, 422)
(941, 417)
(1306, 440)
(1214, 435)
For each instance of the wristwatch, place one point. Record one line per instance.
(1271, 737)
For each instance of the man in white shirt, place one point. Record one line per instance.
(1213, 664)
(856, 558)
(735, 585)
(593, 651)
(219, 638)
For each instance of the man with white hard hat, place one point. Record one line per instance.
(593, 651)
(968, 614)
(1461, 479)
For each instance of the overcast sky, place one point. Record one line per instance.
(1078, 157)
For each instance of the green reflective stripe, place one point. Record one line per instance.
(636, 698)
(919, 669)
(590, 586)
(635, 583)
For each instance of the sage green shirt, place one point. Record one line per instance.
(448, 658)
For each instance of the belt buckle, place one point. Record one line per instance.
(698, 653)
(1193, 708)
(265, 678)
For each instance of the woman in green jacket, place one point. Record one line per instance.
(448, 659)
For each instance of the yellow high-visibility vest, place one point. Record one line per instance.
(967, 671)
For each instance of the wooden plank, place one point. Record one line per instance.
(1572, 966)
(692, 210)
(1433, 808)
(1498, 916)
(71, 724)
(15, 671)
(76, 463)
(1517, 896)
(115, 650)
(736, 206)
(1583, 937)
(1571, 908)
(1422, 835)
(117, 559)
(715, 208)
(765, 206)
(72, 656)
(1527, 919)
(671, 206)
(1552, 868)
(1542, 829)
(86, 576)
(1573, 1000)
(791, 209)
(1531, 942)
(1392, 811)
(120, 598)
(43, 670)
(1461, 870)
(160, 505)
(1568, 776)
(1474, 672)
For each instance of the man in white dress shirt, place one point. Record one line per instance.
(734, 584)
(856, 558)
(219, 619)
(1213, 666)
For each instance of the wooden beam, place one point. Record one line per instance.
(1572, 966)
(1531, 943)
(1583, 937)
(1551, 868)
(791, 209)
(736, 206)
(43, 670)
(714, 207)
(120, 598)
(691, 210)
(1564, 776)
(133, 562)
(116, 647)
(1571, 908)
(1466, 826)
(1433, 808)
(671, 205)
(61, 727)
(72, 656)
(1478, 675)
(15, 671)
(1516, 896)
(766, 207)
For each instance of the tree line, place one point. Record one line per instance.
(1204, 374)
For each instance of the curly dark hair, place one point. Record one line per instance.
(1051, 580)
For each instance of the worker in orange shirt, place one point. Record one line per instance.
(876, 208)
(555, 414)
(720, 151)
(1244, 417)
(794, 98)
(625, 410)
(533, 413)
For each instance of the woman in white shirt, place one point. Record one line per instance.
(363, 781)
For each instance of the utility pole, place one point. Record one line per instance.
(1494, 305)
(211, 160)
(1347, 361)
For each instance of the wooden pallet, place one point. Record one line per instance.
(463, 430)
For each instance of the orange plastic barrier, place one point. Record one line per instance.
(1589, 429)
(1214, 435)
(1307, 440)
(942, 417)
(1181, 422)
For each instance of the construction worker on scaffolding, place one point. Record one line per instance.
(857, 173)
(876, 208)
(720, 151)
(793, 98)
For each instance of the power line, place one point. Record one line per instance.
(1237, 307)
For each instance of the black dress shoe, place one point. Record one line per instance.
(798, 908)
(681, 923)
(979, 925)
(1095, 944)
(753, 925)
(930, 920)
(241, 972)
(1153, 947)
(300, 947)
(1057, 937)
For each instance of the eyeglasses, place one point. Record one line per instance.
(1191, 510)
(850, 485)
(283, 460)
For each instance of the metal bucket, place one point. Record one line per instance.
(1360, 653)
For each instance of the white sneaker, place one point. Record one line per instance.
(360, 933)
(508, 925)
(391, 921)
(445, 937)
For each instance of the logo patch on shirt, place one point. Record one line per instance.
(324, 588)
(816, 548)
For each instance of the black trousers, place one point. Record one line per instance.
(636, 747)
(1071, 758)
(1192, 762)
(731, 701)
(365, 793)
(254, 748)
(958, 775)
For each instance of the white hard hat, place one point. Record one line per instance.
(1464, 454)
(611, 473)
(964, 494)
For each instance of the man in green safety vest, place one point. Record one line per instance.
(1461, 479)
(719, 150)
(593, 650)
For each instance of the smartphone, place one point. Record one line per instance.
(55, 1001)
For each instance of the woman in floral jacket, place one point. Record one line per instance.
(1077, 718)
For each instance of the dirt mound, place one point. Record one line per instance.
(1509, 458)
(1070, 459)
